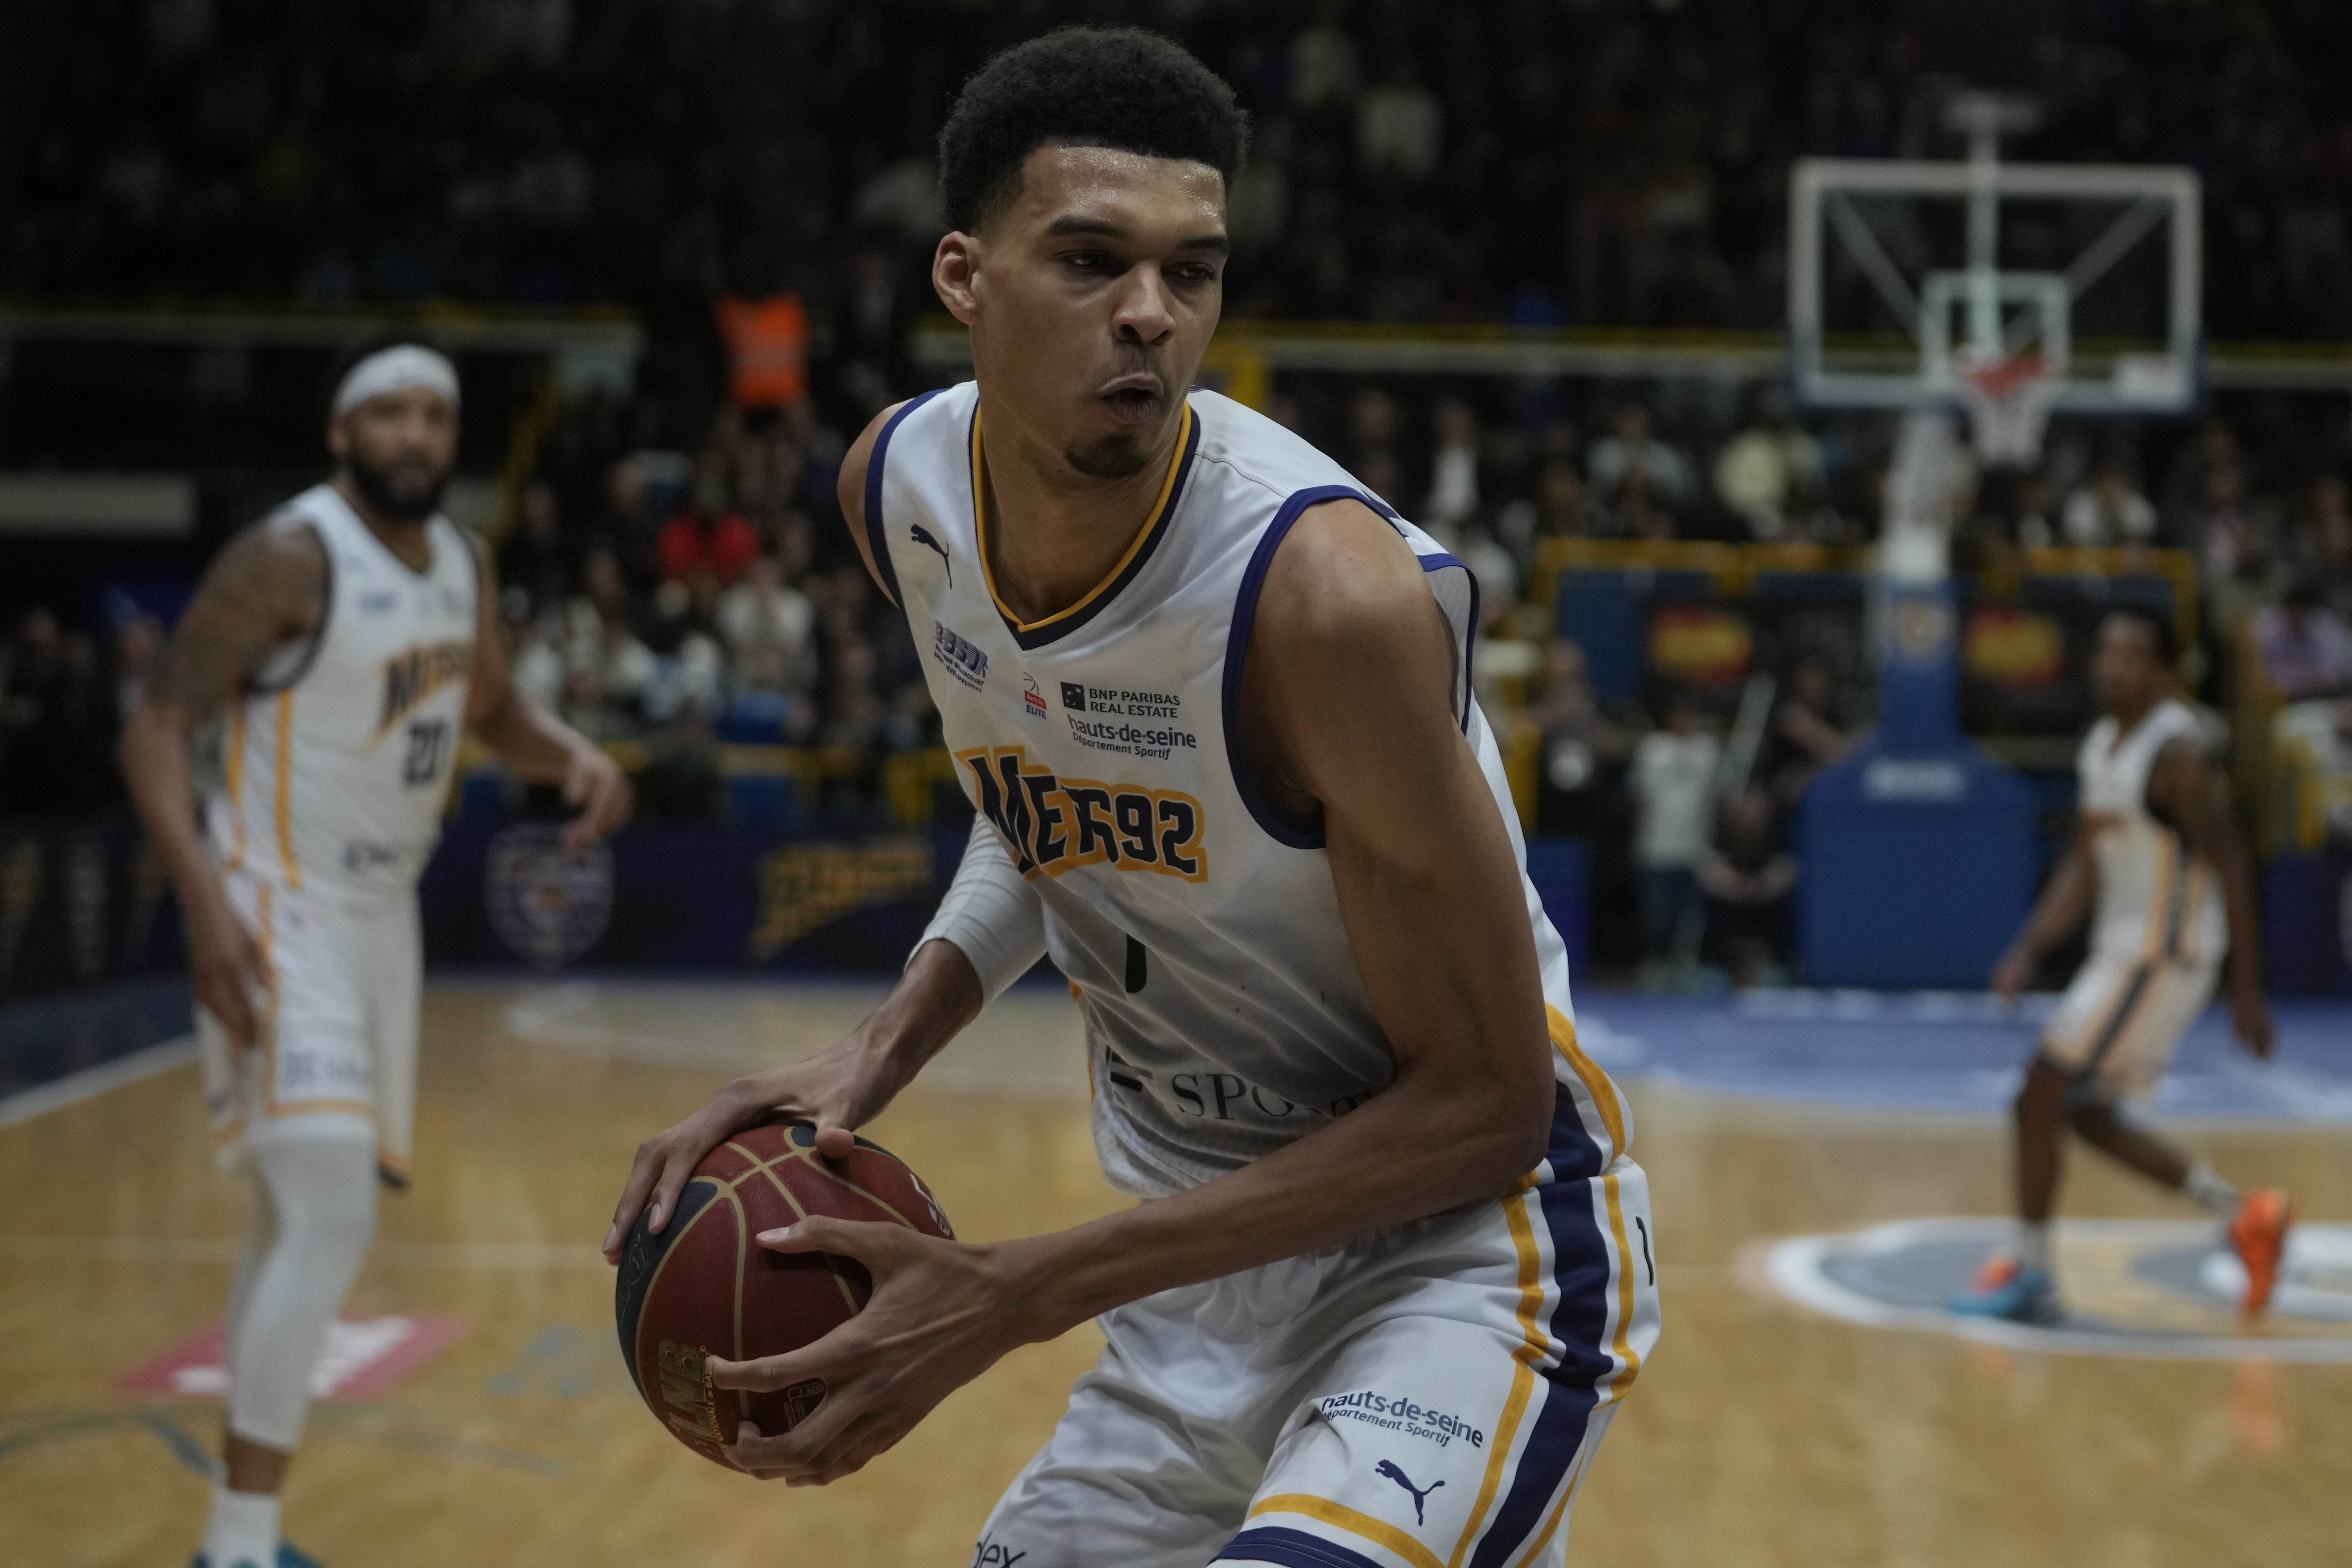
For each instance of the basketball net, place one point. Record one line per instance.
(2009, 399)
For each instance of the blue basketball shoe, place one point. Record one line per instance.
(287, 1557)
(2015, 1294)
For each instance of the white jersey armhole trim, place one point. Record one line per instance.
(1244, 618)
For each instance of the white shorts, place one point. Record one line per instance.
(1425, 1396)
(2122, 1018)
(337, 1052)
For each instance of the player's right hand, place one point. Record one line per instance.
(839, 1090)
(226, 965)
(2012, 974)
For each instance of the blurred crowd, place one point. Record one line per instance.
(1602, 161)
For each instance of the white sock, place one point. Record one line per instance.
(2206, 1186)
(2033, 1247)
(243, 1530)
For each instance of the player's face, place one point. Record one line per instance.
(1091, 296)
(398, 448)
(2125, 672)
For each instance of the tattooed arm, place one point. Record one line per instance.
(266, 589)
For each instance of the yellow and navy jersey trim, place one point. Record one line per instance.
(876, 538)
(1037, 634)
(1237, 638)
(1582, 1281)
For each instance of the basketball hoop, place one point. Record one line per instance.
(2009, 399)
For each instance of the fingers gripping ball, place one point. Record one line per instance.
(704, 1287)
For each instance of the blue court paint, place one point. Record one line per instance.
(1945, 1051)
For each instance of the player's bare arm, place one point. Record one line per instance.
(2058, 913)
(266, 589)
(526, 737)
(1349, 710)
(2186, 791)
(843, 1087)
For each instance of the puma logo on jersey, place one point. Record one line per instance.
(1055, 825)
(414, 674)
(928, 540)
(1388, 1468)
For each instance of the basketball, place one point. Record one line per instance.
(705, 1286)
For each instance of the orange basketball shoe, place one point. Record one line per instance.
(2258, 1235)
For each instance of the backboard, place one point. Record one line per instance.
(1907, 275)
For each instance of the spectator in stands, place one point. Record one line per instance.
(2109, 510)
(765, 327)
(2324, 545)
(138, 648)
(2234, 547)
(2185, 489)
(536, 557)
(1560, 508)
(2030, 528)
(1400, 126)
(56, 724)
(2305, 651)
(1802, 736)
(1453, 467)
(769, 630)
(1637, 512)
(708, 534)
(1748, 877)
(2306, 656)
(1674, 794)
(1630, 450)
(1768, 468)
(1581, 760)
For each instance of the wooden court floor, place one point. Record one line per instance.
(1759, 1435)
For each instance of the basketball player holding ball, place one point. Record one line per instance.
(347, 637)
(1211, 697)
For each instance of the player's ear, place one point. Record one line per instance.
(955, 268)
(339, 439)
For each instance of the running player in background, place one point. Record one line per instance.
(1211, 697)
(348, 637)
(2159, 866)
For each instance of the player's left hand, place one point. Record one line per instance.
(595, 783)
(2250, 1020)
(942, 1314)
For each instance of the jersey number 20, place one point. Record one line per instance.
(428, 748)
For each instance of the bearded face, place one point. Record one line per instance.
(398, 450)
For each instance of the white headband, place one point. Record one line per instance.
(396, 369)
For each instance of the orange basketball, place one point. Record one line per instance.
(704, 1287)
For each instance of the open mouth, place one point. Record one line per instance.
(1132, 404)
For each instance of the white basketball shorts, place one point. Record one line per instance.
(1424, 1396)
(337, 1051)
(2122, 1018)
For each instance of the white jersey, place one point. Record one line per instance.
(2156, 900)
(337, 757)
(1224, 1013)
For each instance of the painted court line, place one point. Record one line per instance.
(90, 1082)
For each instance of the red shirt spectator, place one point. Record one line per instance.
(726, 544)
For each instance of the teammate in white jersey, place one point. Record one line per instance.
(1211, 700)
(348, 638)
(2159, 868)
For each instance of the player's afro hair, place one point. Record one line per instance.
(1120, 88)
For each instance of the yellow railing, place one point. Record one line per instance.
(1735, 567)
